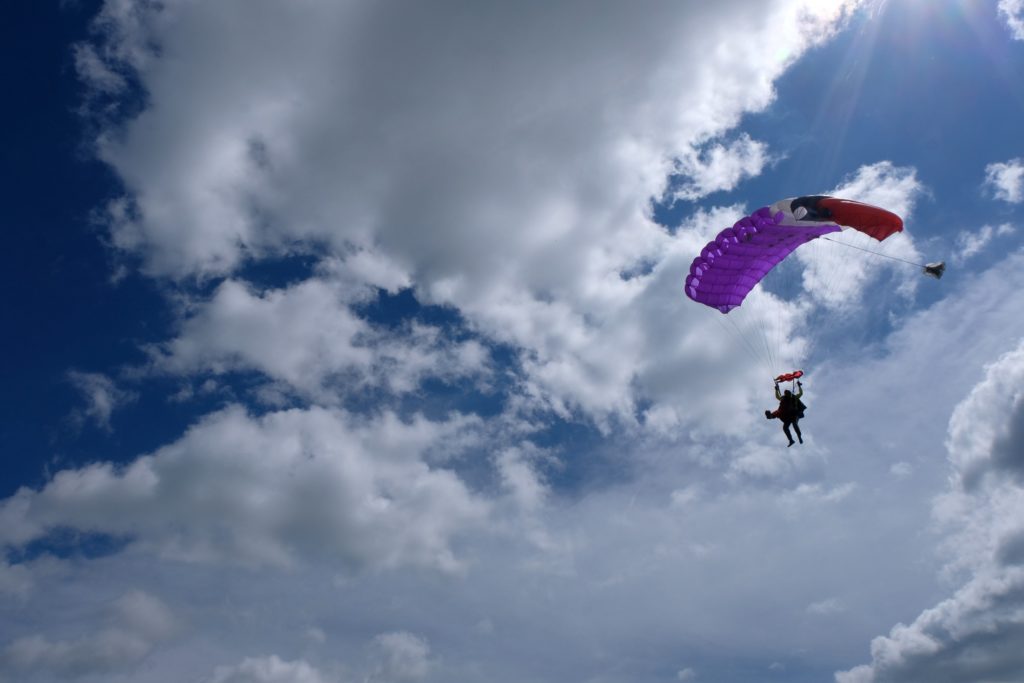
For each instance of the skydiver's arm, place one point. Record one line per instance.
(778, 396)
(799, 391)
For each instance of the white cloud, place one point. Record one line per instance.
(1006, 180)
(524, 484)
(400, 656)
(270, 669)
(97, 72)
(630, 565)
(826, 607)
(283, 489)
(15, 580)
(1013, 12)
(970, 244)
(145, 615)
(515, 199)
(102, 397)
(975, 634)
(837, 275)
(107, 651)
(136, 624)
(514, 188)
(985, 432)
(901, 469)
(307, 337)
(814, 494)
(685, 496)
(720, 167)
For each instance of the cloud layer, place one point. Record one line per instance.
(294, 486)
(975, 634)
(613, 510)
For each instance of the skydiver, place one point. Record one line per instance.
(790, 410)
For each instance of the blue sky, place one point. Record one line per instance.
(347, 342)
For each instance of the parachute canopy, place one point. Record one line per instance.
(739, 257)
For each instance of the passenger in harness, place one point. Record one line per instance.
(790, 410)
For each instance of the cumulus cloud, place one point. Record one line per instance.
(270, 669)
(1012, 12)
(15, 580)
(499, 161)
(135, 624)
(400, 656)
(975, 634)
(1005, 180)
(720, 167)
(529, 214)
(308, 338)
(986, 433)
(283, 489)
(837, 275)
(518, 475)
(255, 152)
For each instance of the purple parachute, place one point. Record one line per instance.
(740, 256)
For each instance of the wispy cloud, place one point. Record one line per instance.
(1013, 12)
(1005, 179)
(971, 243)
(719, 166)
(101, 395)
(826, 607)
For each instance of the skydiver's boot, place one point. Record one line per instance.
(791, 442)
(767, 414)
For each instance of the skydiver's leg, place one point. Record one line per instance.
(796, 426)
(785, 428)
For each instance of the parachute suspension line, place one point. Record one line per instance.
(876, 253)
(770, 345)
(763, 329)
(738, 333)
(751, 348)
(734, 334)
(773, 343)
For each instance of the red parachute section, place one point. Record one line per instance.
(868, 219)
(790, 376)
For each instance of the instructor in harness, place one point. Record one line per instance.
(790, 410)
